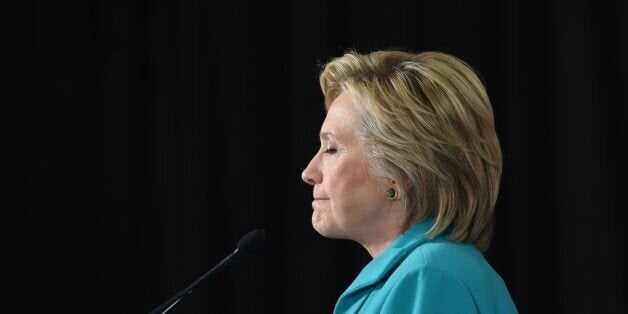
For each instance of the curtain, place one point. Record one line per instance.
(144, 138)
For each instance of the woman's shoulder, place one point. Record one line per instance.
(444, 254)
(451, 264)
(461, 262)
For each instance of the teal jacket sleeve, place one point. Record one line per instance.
(429, 290)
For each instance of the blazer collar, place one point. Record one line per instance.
(383, 264)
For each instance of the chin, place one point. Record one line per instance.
(323, 226)
(328, 229)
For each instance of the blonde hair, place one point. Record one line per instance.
(427, 121)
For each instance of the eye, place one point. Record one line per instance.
(331, 150)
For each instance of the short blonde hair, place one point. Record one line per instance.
(427, 121)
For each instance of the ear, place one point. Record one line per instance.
(407, 184)
(404, 188)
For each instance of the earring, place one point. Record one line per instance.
(391, 194)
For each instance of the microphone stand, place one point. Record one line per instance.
(170, 303)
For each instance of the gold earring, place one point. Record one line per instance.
(391, 194)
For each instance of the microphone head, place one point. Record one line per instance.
(252, 241)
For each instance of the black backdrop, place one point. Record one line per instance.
(144, 138)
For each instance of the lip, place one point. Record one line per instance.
(317, 202)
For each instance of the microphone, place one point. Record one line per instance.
(250, 243)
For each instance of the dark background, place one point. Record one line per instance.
(142, 139)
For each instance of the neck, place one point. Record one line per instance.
(387, 228)
(375, 249)
(378, 240)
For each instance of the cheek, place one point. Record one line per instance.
(341, 183)
(347, 187)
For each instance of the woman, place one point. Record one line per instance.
(409, 167)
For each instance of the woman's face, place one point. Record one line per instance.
(349, 203)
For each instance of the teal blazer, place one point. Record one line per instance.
(418, 275)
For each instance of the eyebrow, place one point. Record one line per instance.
(325, 135)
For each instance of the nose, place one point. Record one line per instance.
(312, 174)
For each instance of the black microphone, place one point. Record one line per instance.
(251, 242)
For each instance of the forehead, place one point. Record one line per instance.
(341, 118)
